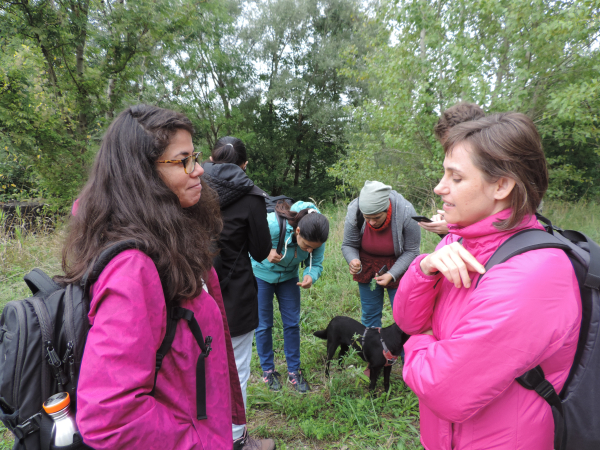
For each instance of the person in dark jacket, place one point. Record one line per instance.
(245, 232)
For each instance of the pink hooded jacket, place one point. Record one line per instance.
(524, 312)
(128, 318)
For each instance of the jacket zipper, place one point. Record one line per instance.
(72, 345)
(49, 353)
(20, 308)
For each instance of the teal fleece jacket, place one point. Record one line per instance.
(287, 268)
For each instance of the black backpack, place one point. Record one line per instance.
(576, 410)
(271, 202)
(42, 339)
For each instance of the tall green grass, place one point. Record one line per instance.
(339, 413)
(22, 248)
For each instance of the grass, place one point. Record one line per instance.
(339, 413)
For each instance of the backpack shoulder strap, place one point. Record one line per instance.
(592, 278)
(38, 281)
(521, 242)
(282, 226)
(167, 342)
(102, 261)
(534, 379)
(205, 348)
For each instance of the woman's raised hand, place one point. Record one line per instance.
(454, 262)
(274, 257)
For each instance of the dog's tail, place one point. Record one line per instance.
(321, 334)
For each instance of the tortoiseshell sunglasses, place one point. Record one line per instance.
(189, 163)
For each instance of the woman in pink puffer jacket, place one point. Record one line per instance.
(468, 345)
(146, 186)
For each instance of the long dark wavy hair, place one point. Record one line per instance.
(126, 199)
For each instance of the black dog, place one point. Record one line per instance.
(342, 332)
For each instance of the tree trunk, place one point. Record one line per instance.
(287, 168)
(110, 112)
(297, 169)
(502, 68)
(308, 164)
(80, 20)
(422, 46)
(299, 137)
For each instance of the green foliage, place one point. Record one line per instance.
(267, 73)
(272, 79)
(325, 93)
(540, 58)
(66, 68)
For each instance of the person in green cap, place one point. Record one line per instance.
(379, 234)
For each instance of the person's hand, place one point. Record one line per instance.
(429, 332)
(438, 224)
(306, 282)
(455, 263)
(384, 280)
(355, 266)
(274, 257)
(439, 216)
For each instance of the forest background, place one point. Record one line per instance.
(325, 93)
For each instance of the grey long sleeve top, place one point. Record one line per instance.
(405, 231)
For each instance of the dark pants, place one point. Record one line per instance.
(372, 303)
(288, 296)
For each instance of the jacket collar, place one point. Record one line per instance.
(482, 237)
(228, 180)
(228, 172)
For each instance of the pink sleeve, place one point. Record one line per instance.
(522, 312)
(415, 299)
(114, 410)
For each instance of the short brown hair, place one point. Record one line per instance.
(459, 113)
(506, 145)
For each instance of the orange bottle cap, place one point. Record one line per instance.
(57, 402)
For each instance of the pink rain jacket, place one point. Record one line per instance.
(524, 312)
(128, 318)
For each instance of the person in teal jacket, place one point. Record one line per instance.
(306, 232)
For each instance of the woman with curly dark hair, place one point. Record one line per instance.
(146, 186)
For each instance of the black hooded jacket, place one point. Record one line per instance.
(245, 230)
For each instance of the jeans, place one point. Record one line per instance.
(372, 303)
(242, 351)
(288, 296)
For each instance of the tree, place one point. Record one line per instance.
(536, 57)
(300, 124)
(85, 59)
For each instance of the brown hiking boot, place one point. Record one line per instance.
(247, 443)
